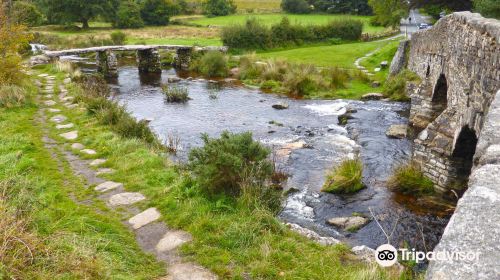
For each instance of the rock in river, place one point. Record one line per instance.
(348, 223)
(280, 106)
(372, 96)
(397, 131)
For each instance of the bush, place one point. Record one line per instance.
(26, 13)
(226, 164)
(395, 87)
(13, 96)
(118, 38)
(410, 180)
(213, 8)
(252, 35)
(345, 178)
(211, 64)
(158, 12)
(488, 8)
(128, 15)
(176, 94)
(295, 6)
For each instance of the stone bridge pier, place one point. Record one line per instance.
(458, 61)
(183, 58)
(107, 64)
(148, 60)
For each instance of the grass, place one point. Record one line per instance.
(409, 179)
(345, 178)
(176, 94)
(232, 240)
(254, 5)
(395, 87)
(386, 53)
(45, 233)
(273, 18)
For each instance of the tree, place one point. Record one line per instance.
(295, 6)
(488, 8)
(213, 8)
(69, 11)
(158, 12)
(26, 13)
(389, 12)
(128, 15)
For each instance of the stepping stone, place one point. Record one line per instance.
(67, 98)
(97, 162)
(52, 110)
(50, 103)
(72, 135)
(67, 81)
(77, 146)
(144, 218)
(88, 151)
(104, 171)
(107, 186)
(58, 118)
(125, 198)
(189, 271)
(43, 75)
(48, 96)
(37, 83)
(70, 106)
(64, 126)
(172, 240)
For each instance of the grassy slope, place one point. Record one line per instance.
(68, 240)
(268, 19)
(228, 238)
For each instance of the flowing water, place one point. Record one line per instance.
(307, 141)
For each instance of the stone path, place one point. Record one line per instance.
(152, 235)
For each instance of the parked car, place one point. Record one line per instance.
(424, 26)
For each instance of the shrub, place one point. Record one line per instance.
(410, 180)
(13, 96)
(128, 16)
(252, 35)
(158, 12)
(295, 6)
(176, 94)
(26, 13)
(488, 8)
(118, 37)
(214, 8)
(345, 178)
(226, 164)
(346, 29)
(395, 87)
(338, 77)
(211, 64)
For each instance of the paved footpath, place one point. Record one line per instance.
(152, 235)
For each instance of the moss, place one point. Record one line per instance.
(345, 178)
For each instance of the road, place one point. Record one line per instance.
(408, 27)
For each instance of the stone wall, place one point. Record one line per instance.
(458, 61)
(475, 225)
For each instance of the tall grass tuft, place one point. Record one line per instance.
(176, 94)
(395, 87)
(409, 179)
(211, 64)
(345, 178)
(13, 96)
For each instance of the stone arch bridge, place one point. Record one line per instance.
(458, 62)
(148, 56)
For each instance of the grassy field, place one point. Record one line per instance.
(232, 240)
(268, 19)
(51, 228)
(254, 5)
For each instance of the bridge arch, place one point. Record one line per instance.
(440, 93)
(462, 156)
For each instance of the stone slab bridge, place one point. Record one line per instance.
(148, 56)
(458, 61)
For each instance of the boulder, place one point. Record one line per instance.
(384, 64)
(280, 106)
(372, 96)
(375, 84)
(39, 60)
(235, 71)
(348, 223)
(397, 131)
(173, 79)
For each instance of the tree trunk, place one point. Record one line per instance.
(85, 24)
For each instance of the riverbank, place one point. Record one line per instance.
(252, 242)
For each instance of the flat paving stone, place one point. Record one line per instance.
(50, 103)
(97, 162)
(172, 240)
(53, 110)
(104, 171)
(88, 151)
(70, 106)
(48, 96)
(77, 146)
(64, 126)
(67, 98)
(188, 271)
(72, 135)
(43, 75)
(144, 218)
(125, 198)
(67, 81)
(107, 186)
(58, 118)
